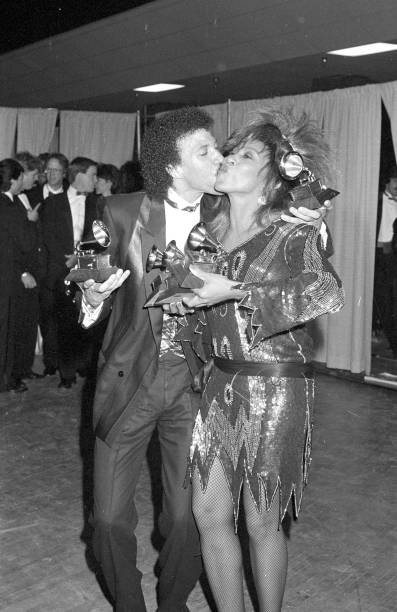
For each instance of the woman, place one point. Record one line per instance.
(251, 438)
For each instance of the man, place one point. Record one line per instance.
(55, 172)
(66, 221)
(27, 313)
(144, 379)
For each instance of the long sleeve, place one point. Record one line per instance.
(310, 289)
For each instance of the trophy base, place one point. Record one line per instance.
(79, 275)
(166, 296)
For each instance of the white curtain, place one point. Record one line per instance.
(103, 137)
(35, 129)
(8, 124)
(389, 97)
(352, 125)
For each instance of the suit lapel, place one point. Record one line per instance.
(149, 229)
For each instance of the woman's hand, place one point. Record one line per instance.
(96, 293)
(307, 215)
(216, 289)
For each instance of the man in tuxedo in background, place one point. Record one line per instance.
(55, 172)
(66, 221)
(145, 376)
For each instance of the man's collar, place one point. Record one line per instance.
(390, 196)
(175, 200)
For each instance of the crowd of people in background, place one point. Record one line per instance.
(47, 205)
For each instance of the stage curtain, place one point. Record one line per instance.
(8, 124)
(352, 125)
(35, 129)
(389, 97)
(103, 137)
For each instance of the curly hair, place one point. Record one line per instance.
(280, 132)
(160, 149)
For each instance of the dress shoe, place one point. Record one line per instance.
(49, 371)
(32, 375)
(66, 384)
(17, 387)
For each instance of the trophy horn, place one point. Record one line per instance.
(101, 233)
(199, 238)
(101, 238)
(154, 259)
(172, 253)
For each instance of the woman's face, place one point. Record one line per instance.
(103, 187)
(244, 170)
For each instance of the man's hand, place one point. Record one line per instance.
(96, 293)
(28, 280)
(216, 289)
(70, 260)
(307, 215)
(33, 215)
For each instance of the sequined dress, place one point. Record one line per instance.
(260, 426)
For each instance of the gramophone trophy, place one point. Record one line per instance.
(309, 192)
(92, 262)
(177, 280)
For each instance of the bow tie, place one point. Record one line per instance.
(191, 208)
(83, 193)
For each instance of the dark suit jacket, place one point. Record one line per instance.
(58, 240)
(132, 341)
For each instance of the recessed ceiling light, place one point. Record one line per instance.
(365, 49)
(159, 87)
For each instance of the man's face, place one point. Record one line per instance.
(55, 173)
(29, 179)
(200, 161)
(87, 180)
(392, 186)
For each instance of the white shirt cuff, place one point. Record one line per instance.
(91, 313)
(324, 235)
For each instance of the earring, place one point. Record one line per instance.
(262, 200)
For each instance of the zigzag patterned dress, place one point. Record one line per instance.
(259, 426)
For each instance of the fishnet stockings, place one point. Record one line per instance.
(213, 510)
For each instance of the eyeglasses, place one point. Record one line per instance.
(57, 170)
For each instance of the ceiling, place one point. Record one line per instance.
(220, 49)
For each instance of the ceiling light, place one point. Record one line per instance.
(365, 49)
(159, 87)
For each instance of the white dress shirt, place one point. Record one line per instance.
(389, 215)
(77, 208)
(47, 191)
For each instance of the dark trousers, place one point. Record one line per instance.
(168, 403)
(25, 331)
(385, 296)
(74, 343)
(48, 328)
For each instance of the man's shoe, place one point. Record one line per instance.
(65, 384)
(32, 375)
(49, 371)
(17, 387)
